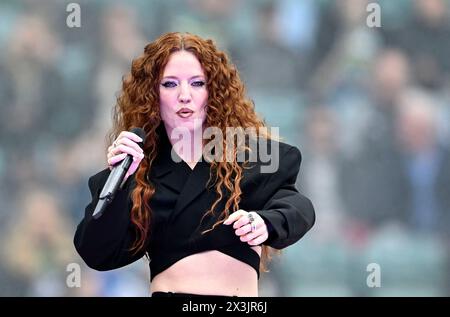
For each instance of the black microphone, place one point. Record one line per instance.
(115, 178)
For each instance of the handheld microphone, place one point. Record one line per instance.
(116, 178)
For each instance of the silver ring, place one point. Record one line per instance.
(115, 143)
(250, 217)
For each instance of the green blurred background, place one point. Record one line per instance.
(368, 107)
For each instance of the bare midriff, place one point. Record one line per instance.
(209, 273)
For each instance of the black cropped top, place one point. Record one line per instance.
(180, 200)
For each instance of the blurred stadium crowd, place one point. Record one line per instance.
(368, 107)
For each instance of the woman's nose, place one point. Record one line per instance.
(185, 94)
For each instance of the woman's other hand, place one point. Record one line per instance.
(250, 226)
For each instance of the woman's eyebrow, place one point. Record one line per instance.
(175, 77)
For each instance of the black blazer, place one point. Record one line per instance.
(180, 200)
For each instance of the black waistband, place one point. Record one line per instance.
(172, 294)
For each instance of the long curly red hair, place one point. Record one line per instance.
(228, 106)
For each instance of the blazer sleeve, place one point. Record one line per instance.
(288, 214)
(104, 243)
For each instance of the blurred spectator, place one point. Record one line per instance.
(372, 190)
(38, 244)
(193, 15)
(35, 88)
(375, 152)
(321, 174)
(344, 49)
(267, 65)
(424, 39)
(122, 40)
(426, 164)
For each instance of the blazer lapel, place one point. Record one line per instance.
(167, 176)
(195, 185)
(164, 169)
(171, 174)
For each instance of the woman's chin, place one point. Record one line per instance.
(189, 125)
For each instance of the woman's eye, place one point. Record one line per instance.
(198, 83)
(169, 84)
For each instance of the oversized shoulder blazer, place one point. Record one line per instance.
(181, 199)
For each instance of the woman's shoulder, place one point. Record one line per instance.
(286, 148)
(278, 148)
(273, 156)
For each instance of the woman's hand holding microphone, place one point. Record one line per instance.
(126, 143)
